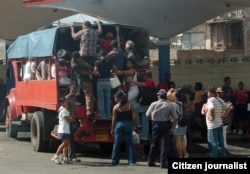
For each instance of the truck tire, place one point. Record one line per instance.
(36, 131)
(11, 129)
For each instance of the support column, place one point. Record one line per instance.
(246, 29)
(164, 58)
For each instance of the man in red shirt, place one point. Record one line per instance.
(106, 42)
(166, 83)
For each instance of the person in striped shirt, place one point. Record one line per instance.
(215, 106)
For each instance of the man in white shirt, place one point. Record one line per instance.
(29, 70)
(214, 123)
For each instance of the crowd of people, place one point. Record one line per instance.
(164, 115)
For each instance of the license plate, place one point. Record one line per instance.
(102, 138)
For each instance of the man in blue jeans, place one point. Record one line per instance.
(215, 107)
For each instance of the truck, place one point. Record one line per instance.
(32, 105)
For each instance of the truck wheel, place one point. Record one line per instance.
(36, 132)
(11, 129)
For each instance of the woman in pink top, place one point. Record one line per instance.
(63, 72)
(240, 116)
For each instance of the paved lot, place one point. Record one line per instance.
(18, 157)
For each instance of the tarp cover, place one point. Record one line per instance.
(35, 44)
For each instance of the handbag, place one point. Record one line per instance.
(115, 82)
(125, 87)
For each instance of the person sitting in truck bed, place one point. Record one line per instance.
(63, 66)
(63, 73)
(42, 70)
(29, 70)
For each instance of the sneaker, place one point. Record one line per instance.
(132, 164)
(114, 164)
(65, 161)
(55, 158)
(58, 161)
(75, 160)
(240, 132)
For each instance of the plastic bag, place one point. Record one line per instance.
(115, 82)
(136, 138)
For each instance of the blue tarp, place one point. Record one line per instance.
(35, 44)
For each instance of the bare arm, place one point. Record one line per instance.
(226, 113)
(74, 35)
(86, 73)
(72, 30)
(69, 119)
(99, 25)
(113, 120)
(117, 28)
(96, 71)
(173, 125)
(87, 65)
(114, 68)
(125, 73)
(133, 111)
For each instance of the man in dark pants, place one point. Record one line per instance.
(80, 69)
(161, 112)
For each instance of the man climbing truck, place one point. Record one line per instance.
(35, 66)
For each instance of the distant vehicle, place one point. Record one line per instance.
(32, 104)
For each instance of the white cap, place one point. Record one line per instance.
(61, 53)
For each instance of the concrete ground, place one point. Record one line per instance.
(18, 157)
